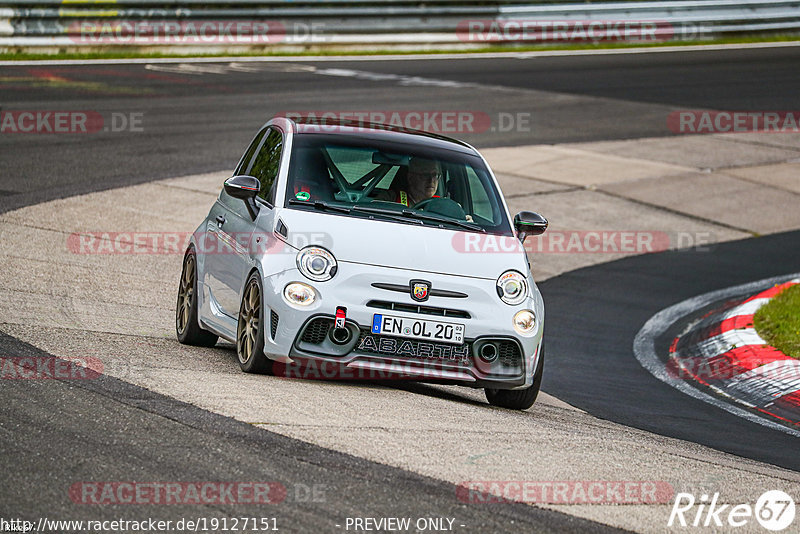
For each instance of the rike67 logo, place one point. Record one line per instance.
(774, 510)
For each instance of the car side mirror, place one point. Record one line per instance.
(529, 223)
(244, 188)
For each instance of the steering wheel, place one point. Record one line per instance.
(442, 206)
(422, 203)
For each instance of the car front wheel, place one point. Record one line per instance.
(250, 330)
(518, 399)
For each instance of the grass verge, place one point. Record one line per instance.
(778, 321)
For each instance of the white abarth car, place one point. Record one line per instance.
(372, 248)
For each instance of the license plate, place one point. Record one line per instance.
(391, 325)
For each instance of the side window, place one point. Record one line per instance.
(245, 163)
(481, 205)
(266, 164)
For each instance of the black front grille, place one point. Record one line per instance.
(416, 308)
(400, 288)
(509, 360)
(504, 356)
(509, 354)
(316, 330)
(273, 323)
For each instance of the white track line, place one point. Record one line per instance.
(407, 57)
(645, 351)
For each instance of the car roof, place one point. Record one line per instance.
(377, 131)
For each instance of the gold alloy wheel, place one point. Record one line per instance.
(249, 317)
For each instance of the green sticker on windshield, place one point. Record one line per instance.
(303, 195)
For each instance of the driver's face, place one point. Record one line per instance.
(423, 178)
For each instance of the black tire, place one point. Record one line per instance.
(187, 327)
(250, 329)
(518, 399)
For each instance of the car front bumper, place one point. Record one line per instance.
(298, 336)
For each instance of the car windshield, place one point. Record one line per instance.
(409, 183)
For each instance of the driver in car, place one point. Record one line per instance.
(423, 180)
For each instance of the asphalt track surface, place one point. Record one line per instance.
(598, 373)
(201, 122)
(107, 429)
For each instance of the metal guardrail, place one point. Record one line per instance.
(410, 23)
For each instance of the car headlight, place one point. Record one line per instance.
(299, 294)
(316, 263)
(512, 287)
(525, 322)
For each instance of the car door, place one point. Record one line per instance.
(231, 227)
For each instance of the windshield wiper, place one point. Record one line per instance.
(444, 220)
(390, 214)
(410, 214)
(402, 216)
(319, 205)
